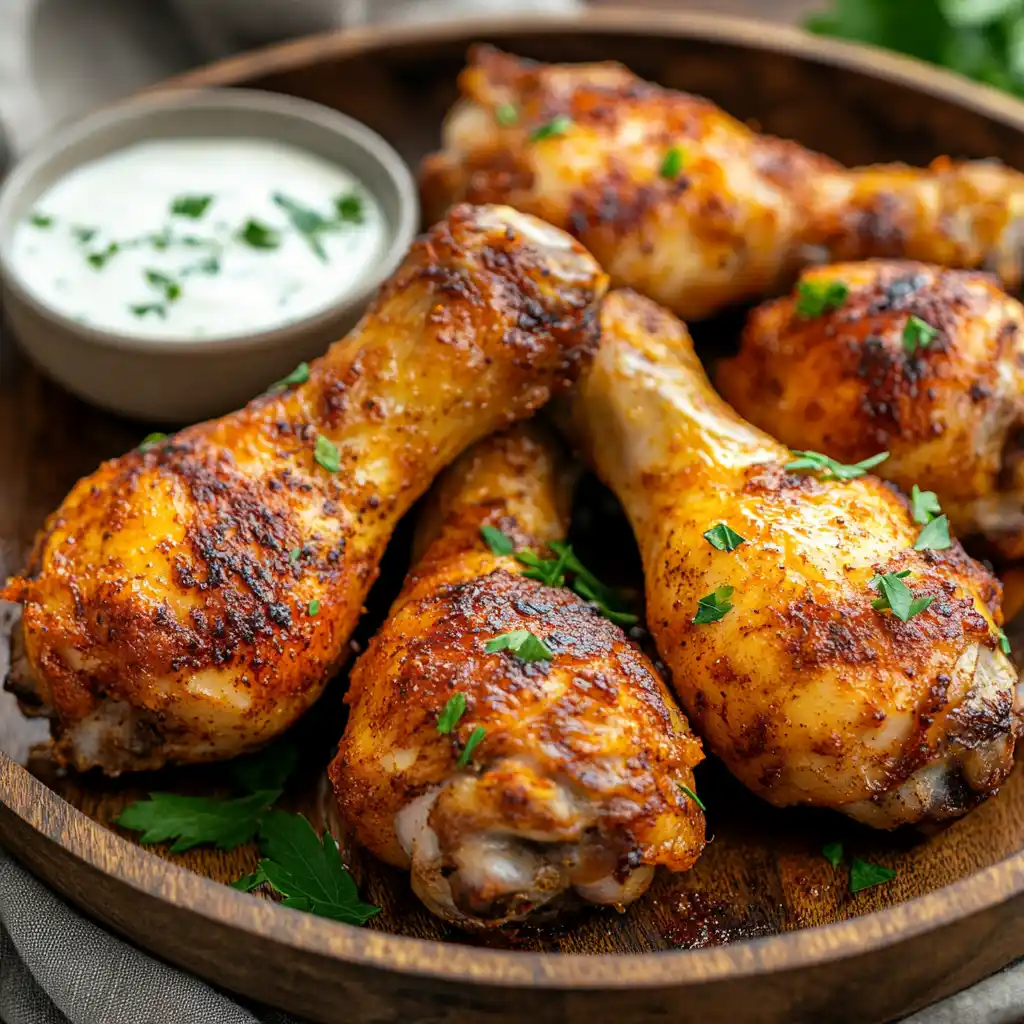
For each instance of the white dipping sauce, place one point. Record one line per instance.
(199, 238)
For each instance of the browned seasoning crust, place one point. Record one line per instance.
(190, 602)
(585, 751)
(847, 384)
(806, 691)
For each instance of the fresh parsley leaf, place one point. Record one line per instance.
(506, 114)
(451, 713)
(590, 588)
(1004, 643)
(298, 376)
(295, 554)
(863, 874)
(145, 308)
(259, 235)
(308, 870)
(471, 744)
(816, 296)
(306, 221)
(349, 208)
(549, 571)
(210, 266)
(917, 334)
(170, 287)
(672, 163)
(313, 608)
(98, 260)
(693, 796)
(896, 596)
(522, 643)
(83, 235)
(40, 220)
(724, 537)
(715, 606)
(326, 454)
(269, 769)
(934, 536)
(558, 125)
(196, 820)
(815, 462)
(190, 206)
(249, 882)
(151, 440)
(499, 543)
(924, 505)
(833, 853)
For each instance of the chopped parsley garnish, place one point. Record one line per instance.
(40, 220)
(917, 334)
(715, 606)
(471, 744)
(506, 114)
(522, 643)
(934, 536)
(672, 163)
(145, 308)
(259, 235)
(815, 462)
(326, 454)
(549, 571)
(924, 505)
(451, 713)
(170, 287)
(1004, 644)
(896, 596)
(307, 870)
(306, 221)
(295, 554)
(863, 874)
(298, 376)
(190, 206)
(693, 796)
(499, 543)
(816, 297)
(151, 440)
(349, 208)
(558, 125)
(313, 608)
(724, 537)
(833, 853)
(98, 260)
(83, 235)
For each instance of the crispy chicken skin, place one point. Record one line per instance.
(950, 414)
(189, 602)
(724, 228)
(808, 693)
(742, 213)
(576, 783)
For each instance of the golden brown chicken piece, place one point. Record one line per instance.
(189, 602)
(925, 363)
(575, 781)
(778, 641)
(688, 205)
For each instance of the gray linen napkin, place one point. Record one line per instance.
(58, 58)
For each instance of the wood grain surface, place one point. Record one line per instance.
(741, 931)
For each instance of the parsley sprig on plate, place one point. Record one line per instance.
(302, 867)
(863, 874)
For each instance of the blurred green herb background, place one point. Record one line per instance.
(982, 39)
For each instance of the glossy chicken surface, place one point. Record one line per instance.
(189, 602)
(576, 783)
(808, 693)
(848, 383)
(688, 205)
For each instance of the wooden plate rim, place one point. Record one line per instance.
(77, 835)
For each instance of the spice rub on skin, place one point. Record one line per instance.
(189, 602)
(576, 785)
(808, 693)
(846, 383)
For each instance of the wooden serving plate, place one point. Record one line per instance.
(762, 929)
